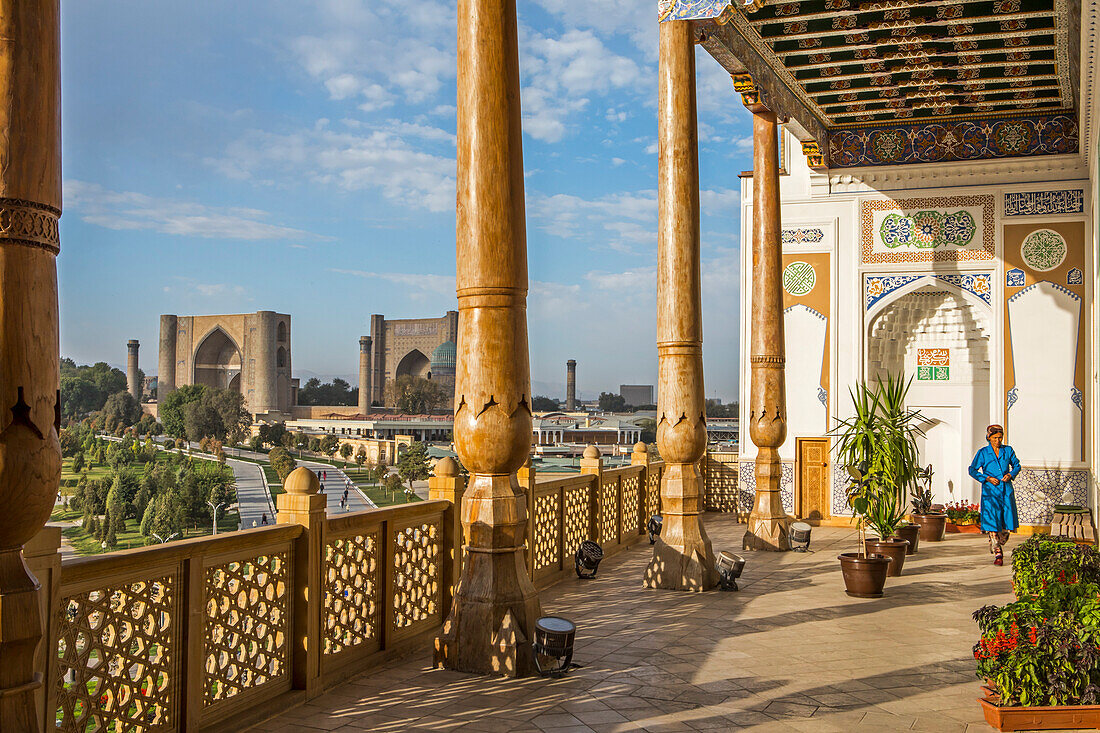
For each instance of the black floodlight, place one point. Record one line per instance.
(654, 527)
(588, 559)
(729, 570)
(554, 639)
(799, 536)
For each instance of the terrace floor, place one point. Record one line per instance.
(789, 652)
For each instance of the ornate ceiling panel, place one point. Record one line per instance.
(914, 64)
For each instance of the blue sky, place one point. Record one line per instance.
(299, 157)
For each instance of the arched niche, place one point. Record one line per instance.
(414, 364)
(217, 361)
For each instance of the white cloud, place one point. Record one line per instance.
(419, 285)
(128, 210)
(382, 159)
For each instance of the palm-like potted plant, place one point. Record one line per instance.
(879, 440)
(931, 522)
(864, 572)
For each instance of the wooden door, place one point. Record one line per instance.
(812, 489)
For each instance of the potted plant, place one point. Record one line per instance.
(1039, 657)
(864, 572)
(880, 440)
(962, 516)
(932, 523)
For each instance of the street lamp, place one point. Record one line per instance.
(169, 538)
(215, 512)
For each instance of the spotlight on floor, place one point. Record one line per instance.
(554, 639)
(799, 536)
(587, 559)
(729, 570)
(654, 527)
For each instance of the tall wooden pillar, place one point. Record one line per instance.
(768, 523)
(682, 557)
(30, 455)
(495, 605)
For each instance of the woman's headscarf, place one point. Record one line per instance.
(993, 430)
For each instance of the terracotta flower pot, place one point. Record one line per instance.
(864, 577)
(893, 548)
(911, 534)
(931, 526)
(1037, 718)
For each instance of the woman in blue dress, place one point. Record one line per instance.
(994, 467)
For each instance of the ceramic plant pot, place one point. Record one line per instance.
(894, 548)
(911, 534)
(932, 526)
(864, 576)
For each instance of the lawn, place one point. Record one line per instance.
(85, 544)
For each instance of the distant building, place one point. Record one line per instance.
(247, 352)
(637, 394)
(555, 428)
(419, 347)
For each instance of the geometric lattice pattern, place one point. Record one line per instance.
(1038, 490)
(547, 536)
(577, 522)
(653, 491)
(352, 605)
(631, 520)
(417, 581)
(246, 625)
(609, 510)
(115, 665)
(721, 494)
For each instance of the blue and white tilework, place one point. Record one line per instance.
(802, 236)
(1040, 203)
(1014, 278)
(823, 396)
(1013, 395)
(1056, 286)
(840, 494)
(1038, 490)
(1077, 398)
(746, 484)
(1075, 276)
(980, 284)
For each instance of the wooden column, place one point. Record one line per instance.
(495, 606)
(682, 557)
(30, 455)
(768, 523)
(447, 484)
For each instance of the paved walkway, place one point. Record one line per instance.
(789, 652)
(335, 481)
(253, 499)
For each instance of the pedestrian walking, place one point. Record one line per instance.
(994, 466)
(263, 518)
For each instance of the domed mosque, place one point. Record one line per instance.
(443, 364)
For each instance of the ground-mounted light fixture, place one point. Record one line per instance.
(799, 536)
(729, 570)
(554, 639)
(654, 527)
(587, 559)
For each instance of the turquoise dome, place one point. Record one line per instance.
(444, 357)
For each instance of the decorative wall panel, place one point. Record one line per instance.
(1041, 203)
(877, 287)
(352, 603)
(1038, 490)
(417, 588)
(944, 229)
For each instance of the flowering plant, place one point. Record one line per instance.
(962, 512)
(1044, 649)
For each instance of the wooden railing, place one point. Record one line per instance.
(220, 632)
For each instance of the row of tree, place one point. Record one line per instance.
(196, 411)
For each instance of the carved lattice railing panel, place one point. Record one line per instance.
(417, 589)
(547, 535)
(609, 509)
(631, 487)
(653, 491)
(578, 519)
(353, 604)
(116, 666)
(246, 629)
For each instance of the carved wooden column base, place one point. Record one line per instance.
(682, 556)
(20, 634)
(495, 606)
(768, 523)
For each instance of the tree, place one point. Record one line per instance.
(391, 482)
(610, 402)
(148, 425)
(329, 445)
(717, 409)
(289, 441)
(84, 389)
(255, 443)
(543, 404)
(120, 410)
(78, 462)
(414, 395)
(171, 408)
(414, 465)
(338, 392)
(649, 430)
(361, 457)
(345, 453)
(272, 434)
(282, 462)
(314, 445)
